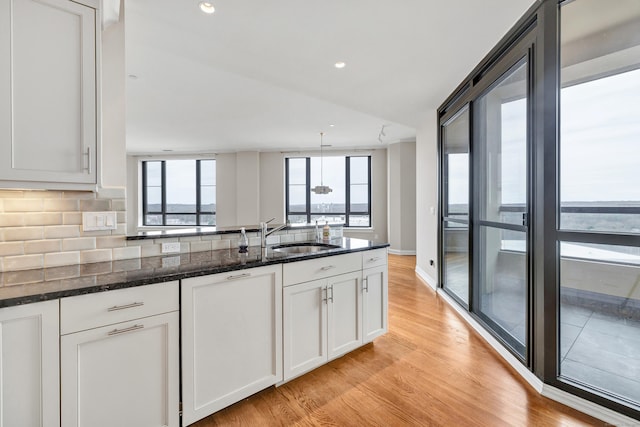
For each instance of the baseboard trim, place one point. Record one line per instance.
(401, 252)
(607, 415)
(426, 278)
(585, 406)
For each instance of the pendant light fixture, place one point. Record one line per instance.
(321, 189)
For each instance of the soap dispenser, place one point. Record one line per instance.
(243, 243)
(326, 232)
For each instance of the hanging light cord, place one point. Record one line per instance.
(321, 163)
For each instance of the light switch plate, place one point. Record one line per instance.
(99, 221)
(170, 248)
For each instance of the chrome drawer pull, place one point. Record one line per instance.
(125, 330)
(239, 276)
(124, 307)
(374, 259)
(327, 267)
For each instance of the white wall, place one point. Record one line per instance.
(226, 189)
(427, 197)
(247, 187)
(113, 94)
(401, 177)
(272, 186)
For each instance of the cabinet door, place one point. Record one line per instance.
(231, 338)
(345, 313)
(29, 379)
(305, 327)
(124, 375)
(374, 305)
(48, 119)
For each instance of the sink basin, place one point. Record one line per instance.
(303, 248)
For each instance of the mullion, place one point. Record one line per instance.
(163, 174)
(308, 189)
(198, 193)
(347, 181)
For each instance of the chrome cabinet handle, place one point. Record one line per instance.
(365, 285)
(331, 297)
(323, 295)
(125, 330)
(124, 307)
(239, 276)
(327, 267)
(88, 154)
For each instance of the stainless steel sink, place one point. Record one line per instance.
(303, 248)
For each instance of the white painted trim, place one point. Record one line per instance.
(433, 283)
(528, 376)
(585, 406)
(401, 252)
(605, 414)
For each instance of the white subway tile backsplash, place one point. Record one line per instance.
(95, 255)
(43, 218)
(220, 244)
(23, 262)
(97, 205)
(42, 246)
(22, 233)
(79, 244)
(110, 242)
(72, 218)
(61, 205)
(11, 248)
(150, 250)
(126, 253)
(58, 259)
(23, 205)
(37, 194)
(200, 246)
(61, 231)
(11, 219)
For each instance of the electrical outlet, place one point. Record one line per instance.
(170, 248)
(171, 261)
(99, 221)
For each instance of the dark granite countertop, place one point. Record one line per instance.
(29, 286)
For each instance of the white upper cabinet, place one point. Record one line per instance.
(48, 108)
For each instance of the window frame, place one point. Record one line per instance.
(348, 212)
(198, 213)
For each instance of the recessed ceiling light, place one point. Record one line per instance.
(331, 126)
(207, 7)
(340, 65)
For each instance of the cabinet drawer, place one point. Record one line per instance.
(374, 258)
(319, 268)
(106, 308)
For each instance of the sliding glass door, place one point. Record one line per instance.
(501, 218)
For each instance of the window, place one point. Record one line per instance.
(179, 192)
(350, 179)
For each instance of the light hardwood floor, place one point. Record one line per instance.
(431, 369)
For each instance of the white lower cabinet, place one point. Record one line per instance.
(375, 301)
(122, 374)
(322, 321)
(29, 365)
(231, 338)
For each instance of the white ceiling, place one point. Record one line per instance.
(259, 74)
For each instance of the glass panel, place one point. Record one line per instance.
(359, 201)
(207, 220)
(332, 218)
(153, 220)
(334, 176)
(154, 199)
(502, 296)
(600, 317)
(298, 198)
(456, 260)
(207, 172)
(456, 165)
(297, 219)
(298, 171)
(154, 173)
(208, 198)
(359, 170)
(181, 186)
(359, 221)
(177, 219)
(502, 131)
